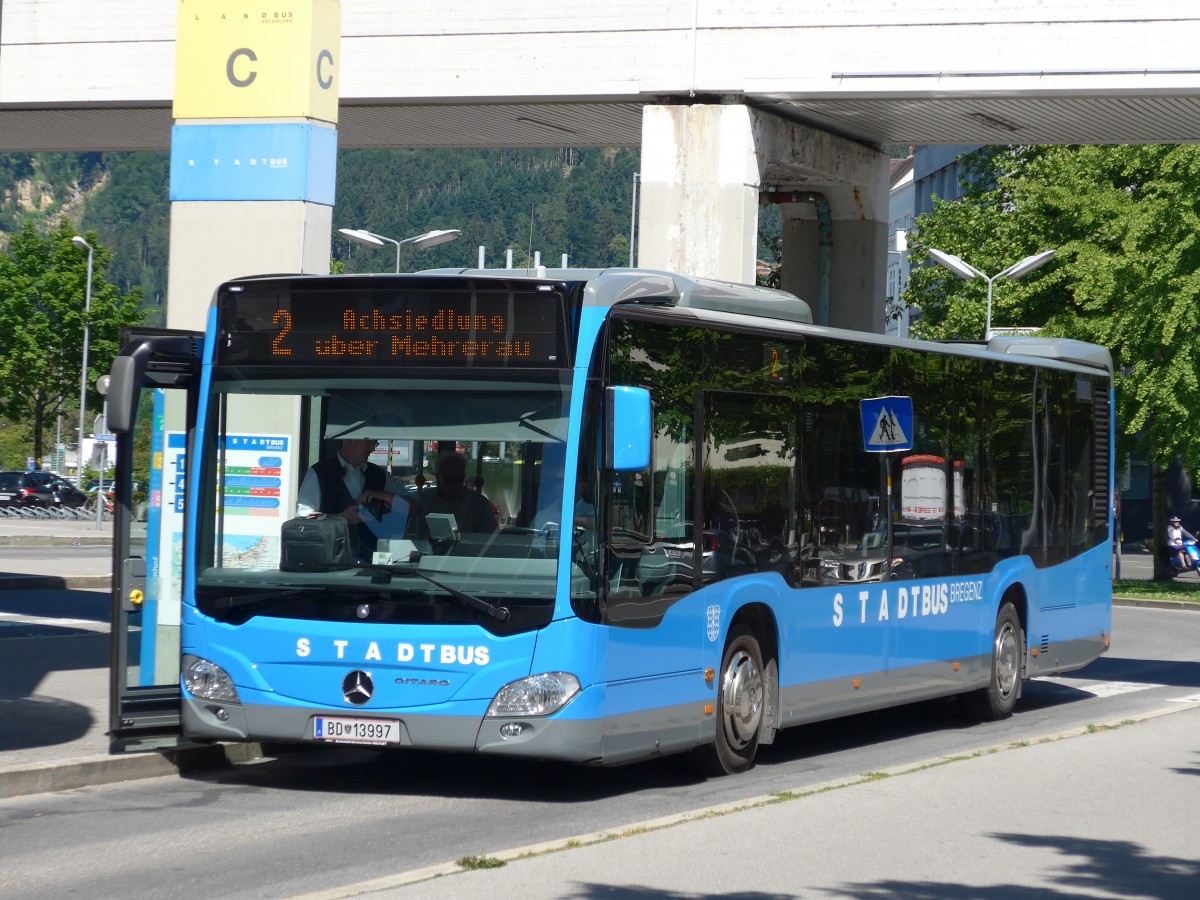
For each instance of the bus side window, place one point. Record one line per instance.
(749, 502)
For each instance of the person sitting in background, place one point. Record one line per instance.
(1176, 534)
(550, 489)
(471, 510)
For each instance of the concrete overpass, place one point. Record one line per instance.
(727, 100)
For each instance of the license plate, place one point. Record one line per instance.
(345, 730)
(6, 496)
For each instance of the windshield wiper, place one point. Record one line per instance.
(525, 421)
(499, 613)
(232, 602)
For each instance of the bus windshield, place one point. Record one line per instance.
(472, 464)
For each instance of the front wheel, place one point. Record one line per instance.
(998, 699)
(740, 700)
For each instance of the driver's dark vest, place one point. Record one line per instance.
(335, 497)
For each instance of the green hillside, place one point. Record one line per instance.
(552, 201)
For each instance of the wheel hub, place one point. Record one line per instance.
(742, 700)
(1007, 663)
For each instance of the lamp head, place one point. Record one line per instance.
(433, 238)
(81, 243)
(360, 236)
(1027, 265)
(959, 267)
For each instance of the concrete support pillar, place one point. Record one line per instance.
(857, 266)
(699, 191)
(705, 169)
(254, 147)
(253, 165)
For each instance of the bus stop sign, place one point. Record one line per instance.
(887, 424)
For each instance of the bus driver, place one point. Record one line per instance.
(341, 484)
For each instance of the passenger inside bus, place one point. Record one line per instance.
(471, 510)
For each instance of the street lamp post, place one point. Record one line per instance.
(87, 311)
(967, 272)
(420, 241)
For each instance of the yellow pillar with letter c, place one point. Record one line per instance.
(257, 60)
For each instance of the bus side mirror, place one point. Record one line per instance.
(124, 385)
(628, 429)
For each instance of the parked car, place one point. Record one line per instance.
(61, 492)
(22, 489)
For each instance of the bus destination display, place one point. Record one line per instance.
(426, 328)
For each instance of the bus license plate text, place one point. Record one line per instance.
(356, 731)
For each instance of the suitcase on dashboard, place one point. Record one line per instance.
(315, 544)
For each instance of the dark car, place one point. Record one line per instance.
(60, 491)
(66, 494)
(22, 489)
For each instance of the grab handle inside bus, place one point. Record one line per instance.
(628, 429)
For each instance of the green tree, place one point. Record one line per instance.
(131, 215)
(42, 316)
(1124, 222)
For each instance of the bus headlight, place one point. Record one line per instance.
(537, 695)
(207, 680)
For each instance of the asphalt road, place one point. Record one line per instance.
(309, 821)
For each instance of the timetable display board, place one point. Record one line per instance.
(451, 327)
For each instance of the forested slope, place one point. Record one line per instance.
(555, 201)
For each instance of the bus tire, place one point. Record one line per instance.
(997, 700)
(740, 707)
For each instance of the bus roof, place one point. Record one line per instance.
(609, 287)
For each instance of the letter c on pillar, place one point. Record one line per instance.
(325, 81)
(229, 73)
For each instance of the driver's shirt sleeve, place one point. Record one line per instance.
(308, 498)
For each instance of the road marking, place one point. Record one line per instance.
(1116, 688)
(1193, 698)
(15, 619)
(1104, 688)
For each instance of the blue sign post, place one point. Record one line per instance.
(887, 424)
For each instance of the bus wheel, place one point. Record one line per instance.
(997, 700)
(740, 697)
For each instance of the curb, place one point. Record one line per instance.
(92, 771)
(55, 540)
(1156, 604)
(55, 582)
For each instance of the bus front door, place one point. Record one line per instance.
(151, 397)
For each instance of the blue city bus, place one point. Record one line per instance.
(708, 518)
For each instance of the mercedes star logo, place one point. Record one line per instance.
(357, 687)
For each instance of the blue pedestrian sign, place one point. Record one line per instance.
(887, 424)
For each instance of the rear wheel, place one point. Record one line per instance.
(997, 700)
(740, 699)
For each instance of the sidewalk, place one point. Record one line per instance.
(70, 572)
(54, 689)
(1103, 814)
